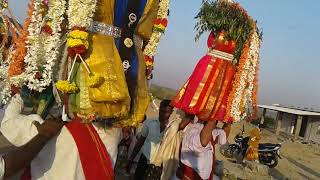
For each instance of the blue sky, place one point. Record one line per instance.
(289, 56)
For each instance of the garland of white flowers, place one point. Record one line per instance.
(5, 92)
(51, 47)
(151, 48)
(81, 13)
(35, 50)
(254, 57)
(247, 77)
(5, 82)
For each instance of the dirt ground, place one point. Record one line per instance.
(299, 161)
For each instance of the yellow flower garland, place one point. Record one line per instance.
(77, 34)
(66, 87)
(77, 42)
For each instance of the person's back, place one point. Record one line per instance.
(151, 131)
(196, 157)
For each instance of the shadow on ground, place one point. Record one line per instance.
(275, 173)
(305, 168)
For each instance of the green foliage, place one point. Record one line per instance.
(229, 17)
(162, 92)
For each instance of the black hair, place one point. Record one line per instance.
(189, 116)
(165, 103)
(261, 126)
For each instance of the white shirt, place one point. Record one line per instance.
(194, 155)
(151, 131)
(2, 166)
(59, 159)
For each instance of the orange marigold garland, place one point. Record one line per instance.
(11, 29)
(16, 66)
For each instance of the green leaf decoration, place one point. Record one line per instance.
(220, 16)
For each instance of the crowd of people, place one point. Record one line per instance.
(196, 150)
(87, 64)
(196, 157)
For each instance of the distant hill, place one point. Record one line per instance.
(162, 92)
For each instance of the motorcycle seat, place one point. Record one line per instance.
(268, 146)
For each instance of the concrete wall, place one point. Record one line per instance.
(287, 123)
(313, 129)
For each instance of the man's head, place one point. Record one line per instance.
(165, 111)
(261, 127)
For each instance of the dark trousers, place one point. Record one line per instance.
(141, 168)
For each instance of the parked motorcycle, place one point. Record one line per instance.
(268, 153)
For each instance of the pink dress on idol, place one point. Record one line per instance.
(205, 94)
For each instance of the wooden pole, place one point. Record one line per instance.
(298, 126)
(263, 116)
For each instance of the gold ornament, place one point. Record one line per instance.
(128, 42)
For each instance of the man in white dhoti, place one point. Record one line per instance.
(61, 157)
(14, 161)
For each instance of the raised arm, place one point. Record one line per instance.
(138, 145)
(185, 121)
(206, 133)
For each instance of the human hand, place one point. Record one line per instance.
(49, 128)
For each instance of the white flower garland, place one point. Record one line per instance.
(247, 76)
(254, 57)
(151, 48)
(5, 92)
(81, 13)
(34, 45)
(51, 47)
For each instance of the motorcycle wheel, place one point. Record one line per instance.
(272, 164)
(238, 155)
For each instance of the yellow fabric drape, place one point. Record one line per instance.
(111, 99)
(144, 30)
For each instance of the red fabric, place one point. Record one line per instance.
(223, 109)
(26, 174)
(95, 160)
(187, 173)
(192, 86)
(214, 88)
(210, 41)
(196, 109)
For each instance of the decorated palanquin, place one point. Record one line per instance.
(223, 85)
(92, 57)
